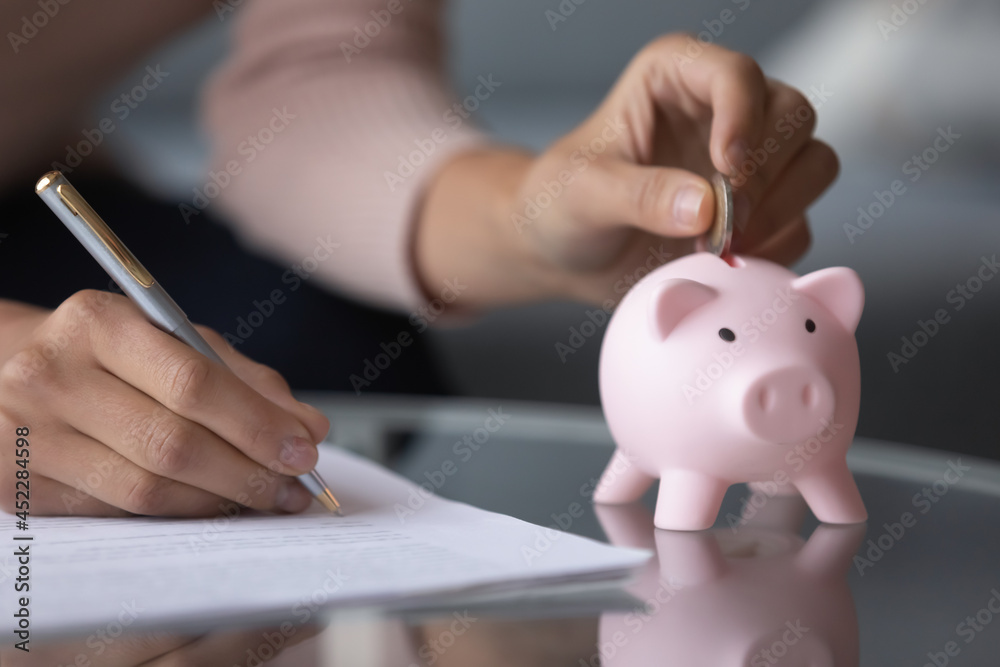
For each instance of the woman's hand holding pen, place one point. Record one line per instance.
(174, 434)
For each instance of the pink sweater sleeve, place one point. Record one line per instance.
(330, 117)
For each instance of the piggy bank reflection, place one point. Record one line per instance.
(715, 372)
(757, 597)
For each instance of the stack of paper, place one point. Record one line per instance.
(397, 545)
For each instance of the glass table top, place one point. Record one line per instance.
(919, 584)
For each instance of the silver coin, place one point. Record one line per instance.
(720, 235)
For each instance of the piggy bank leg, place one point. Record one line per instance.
(688, 500)
(832, 495)
(621, 482)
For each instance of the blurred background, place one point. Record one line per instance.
(888, 79)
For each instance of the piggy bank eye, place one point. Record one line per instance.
(810, 326)
(727, 335)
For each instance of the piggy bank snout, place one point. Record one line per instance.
(788, 404)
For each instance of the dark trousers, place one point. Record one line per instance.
(316, 339)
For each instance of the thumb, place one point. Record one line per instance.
(659, 200)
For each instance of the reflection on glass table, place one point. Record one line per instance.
(918, 585)
(752, 597)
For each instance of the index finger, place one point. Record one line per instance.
(703, 76)
(202, 391)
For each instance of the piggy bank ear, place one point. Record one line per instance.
(839, 289)
(675, 299)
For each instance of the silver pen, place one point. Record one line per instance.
(95, 235)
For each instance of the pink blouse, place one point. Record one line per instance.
(327, 120)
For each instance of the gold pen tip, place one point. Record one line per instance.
(330, 503)
(46, 180)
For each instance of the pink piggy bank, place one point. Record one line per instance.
(714, 373)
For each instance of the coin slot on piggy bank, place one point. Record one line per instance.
(716, 372)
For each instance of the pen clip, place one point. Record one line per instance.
(81, 209)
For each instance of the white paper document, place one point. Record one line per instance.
(396, 545)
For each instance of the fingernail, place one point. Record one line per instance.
(687, 206)
(292, 497)
(298, 453)
(735, 155)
